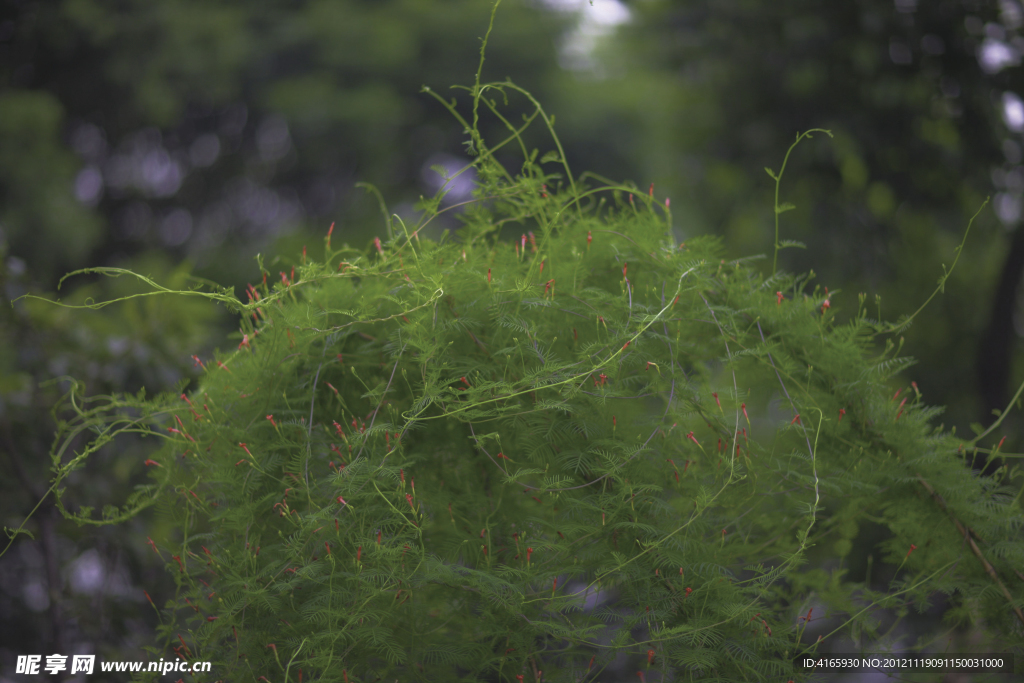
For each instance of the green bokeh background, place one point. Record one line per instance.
(109, 110)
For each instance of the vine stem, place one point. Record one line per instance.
(777, 177)
(1002, 416)
(966, 533)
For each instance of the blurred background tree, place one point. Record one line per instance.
(181, 138)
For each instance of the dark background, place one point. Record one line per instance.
(183, 137)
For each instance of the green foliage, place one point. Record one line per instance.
(478, 458)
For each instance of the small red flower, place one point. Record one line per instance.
(150, 463)
(715, 394)
(842, 411)
(488, 276)
(650, 657)
(692, 438)
(778, 298)
(408, 498)
(1000, 445)
(329, 231)
(650, 193)
(341, 500)
(271, 418)
(912, 549)
(743, 407)
(376, 243)
(824, 306)
(589, 239)
(796, 419)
